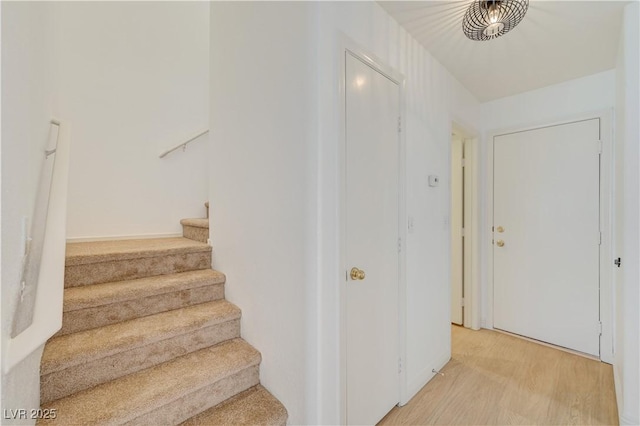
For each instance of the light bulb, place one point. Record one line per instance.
(493, 13)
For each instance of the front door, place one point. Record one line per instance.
(547, 236)
(372, 171)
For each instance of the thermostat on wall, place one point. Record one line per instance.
(434, 180)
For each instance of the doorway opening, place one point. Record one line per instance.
(464, 228)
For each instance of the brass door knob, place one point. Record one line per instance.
(357, 274)
(500, 243)
(500, 229)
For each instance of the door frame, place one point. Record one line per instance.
(348, 46)
(606, 220)
(471, 217)
(458, 194)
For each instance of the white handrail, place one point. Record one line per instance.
(183, 145)
(47, 317)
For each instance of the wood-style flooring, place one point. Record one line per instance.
(497, 379)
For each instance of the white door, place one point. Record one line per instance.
(372, 155)
(457, 223)
(546, 234)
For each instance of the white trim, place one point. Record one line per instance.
(472, 288)
(348, 46)
(623, 419)
(606, 225)
(617, 384)
(606, 248)
(122, 237)
(458, 257)
(471, 226)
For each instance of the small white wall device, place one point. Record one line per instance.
(434, 180)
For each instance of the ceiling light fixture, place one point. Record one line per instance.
(488, 19)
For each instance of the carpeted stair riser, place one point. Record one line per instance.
(255, 406)
(88, 307)
(77, 348)
(108, 261)
(196, 402)
(196, 229)
(77, 361)
(129, 269)
(195, 233)
(74, 379)
(90, 318)
(197, 380)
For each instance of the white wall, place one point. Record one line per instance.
(262, 182)
(275, 115)
(550, 104)
(133, 79)
(26, 111)
(586, 94)
(627, 333)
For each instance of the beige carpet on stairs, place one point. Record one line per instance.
(148, 338)
(88, 307)
(196, 229)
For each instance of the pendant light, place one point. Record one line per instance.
(489, 19)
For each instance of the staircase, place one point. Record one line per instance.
(147, 338)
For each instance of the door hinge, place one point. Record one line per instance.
(464, 162)
(462, 232)
(599, 328)
(399, 245)
(599, 145)
(399, 365)
(600, 238)
(462, 302)
(399, 124)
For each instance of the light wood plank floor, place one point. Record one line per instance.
(498, 379)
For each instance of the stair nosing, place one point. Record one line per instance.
(244, 397)
(164, 395)
(135, 327)
(199, 222)
(216, 277)
(187, 246)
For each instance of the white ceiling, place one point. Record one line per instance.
(555, 42)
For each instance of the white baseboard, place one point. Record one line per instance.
(121, 237)
(617, 384)
(622, 416)
(424, 377)
(628, 421)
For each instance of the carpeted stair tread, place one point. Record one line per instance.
(107, 293)
(77, 348)
(107, 251)
(255, 406)
(133, 396)
(196, 222)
